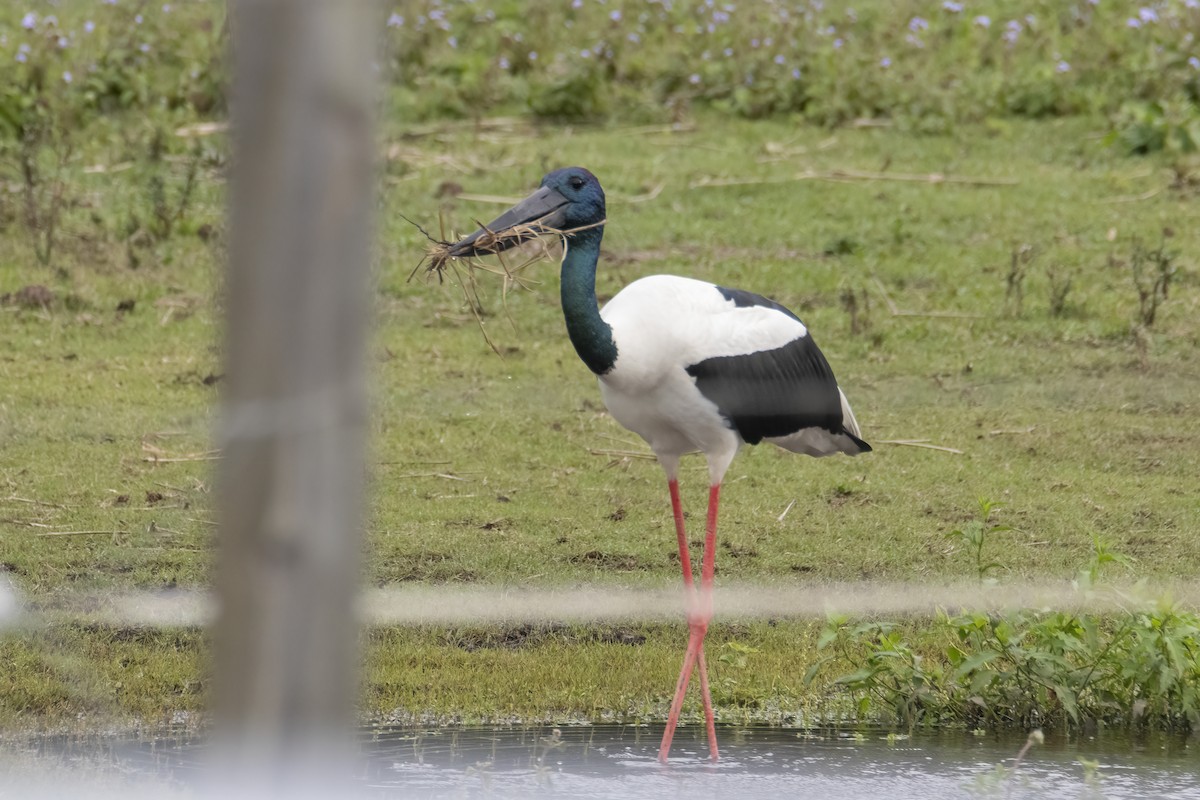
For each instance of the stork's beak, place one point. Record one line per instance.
(543, 206)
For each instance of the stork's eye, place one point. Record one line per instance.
(577, 182)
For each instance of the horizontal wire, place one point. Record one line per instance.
(500, 604)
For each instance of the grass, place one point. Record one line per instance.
(1080, 422)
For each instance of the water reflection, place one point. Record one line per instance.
(620, 762)
(613, 761)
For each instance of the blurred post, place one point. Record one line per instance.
(292, 425)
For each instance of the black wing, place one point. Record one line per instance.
(773, 392)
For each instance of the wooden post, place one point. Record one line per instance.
(292, 426)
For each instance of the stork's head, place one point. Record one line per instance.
(568, 198)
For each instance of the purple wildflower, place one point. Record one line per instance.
(952, 6)
(21, 57)
(885, 62)
(1062, 66)
(1194, 62)
(67, 76)
(89, 26)
(145, 48)
(615, 15)
(1133, 22)
(29, 21)
(395, 21)
(1147, 14)
(983, 21)
(779, 59)
(796, 74)
(503, 62)
(837, 44)
(694, 79)
(918, 24)
(138, 19)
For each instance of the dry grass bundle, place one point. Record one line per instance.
(532, 242)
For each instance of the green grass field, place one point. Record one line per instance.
(505, 470)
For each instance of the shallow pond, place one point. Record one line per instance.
(611, 761)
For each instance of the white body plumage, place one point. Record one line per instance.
(664, 324)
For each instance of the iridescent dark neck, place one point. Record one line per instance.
(590, 334)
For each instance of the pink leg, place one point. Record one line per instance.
(699, 615)
(707, 568)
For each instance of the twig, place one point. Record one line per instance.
(16, 499)
(622, 453)
(887, 298)
(201, 129)
(79, 533)
(445, 475)
(1002, 431)
(211, 455)
(488, 198)
(785, 511)
(922, 443)
(1132, 198)
(643, 130)
(843, 175)
(644, 198)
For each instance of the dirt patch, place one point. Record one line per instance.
(429, 566)
(516, 637)
(739, 551)
(33, 296)
(620, 562)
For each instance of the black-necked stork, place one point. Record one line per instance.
(688, 366)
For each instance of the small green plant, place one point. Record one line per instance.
(975, 534)
(857, 305)
(1152, 271)
(1151, 126)
(1027, 667)
(1060, 286)
(165, 205)
(1014, 281)
(893, 680)
(734, 662)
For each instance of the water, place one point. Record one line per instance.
(621, 762)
